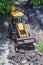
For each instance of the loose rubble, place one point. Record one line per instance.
(23, 57)
(32, 57)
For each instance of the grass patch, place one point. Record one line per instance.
(37, 1)
(40, 46)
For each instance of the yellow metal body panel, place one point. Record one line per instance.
(14, 12)
(13, 8)
(20, 27)
(17, 14)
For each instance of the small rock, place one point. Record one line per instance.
(27, 63)
(23, 61)
(31, 63)
(40, 53)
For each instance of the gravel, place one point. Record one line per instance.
(24, 57)
(32, 57)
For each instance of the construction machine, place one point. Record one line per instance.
(18, 31)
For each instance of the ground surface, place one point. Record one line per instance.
(26, 57)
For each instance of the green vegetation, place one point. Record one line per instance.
(5, 6)
(40, 46)
(37, 1)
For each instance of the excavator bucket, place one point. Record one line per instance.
(25, 41)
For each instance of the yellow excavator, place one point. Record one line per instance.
(18, 31)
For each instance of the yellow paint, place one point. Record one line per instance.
(17, 14)
(20, 27)
(13, 8)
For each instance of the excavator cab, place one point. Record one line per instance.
(17, 23)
